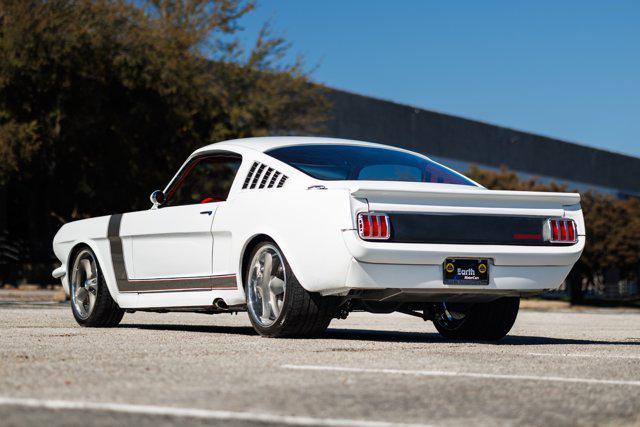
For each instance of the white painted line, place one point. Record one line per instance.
(195, 413)
(579, 355)
(589, 356)
(460, 374)
(495, 353)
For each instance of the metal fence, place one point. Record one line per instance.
(605, 288)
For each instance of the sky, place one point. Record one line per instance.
(565, 69)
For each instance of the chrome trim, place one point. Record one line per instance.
(563, 223)
(546, 230)
(157, 198)
(377, 216)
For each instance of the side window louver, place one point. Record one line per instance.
(266, 176)
(263, 176)
(256, 175)
(247, 180)
(274, 178)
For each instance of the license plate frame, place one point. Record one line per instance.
(465, 271)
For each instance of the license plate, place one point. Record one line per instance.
(465, 271)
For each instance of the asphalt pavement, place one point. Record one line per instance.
(555, 368)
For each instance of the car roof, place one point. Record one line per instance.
(267, 143)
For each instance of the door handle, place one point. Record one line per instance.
(206, 212)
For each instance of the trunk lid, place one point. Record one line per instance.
(426, 194)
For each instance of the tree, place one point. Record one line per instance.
(101, 101)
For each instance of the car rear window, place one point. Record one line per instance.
(360, 163)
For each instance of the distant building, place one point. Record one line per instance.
(459, 142)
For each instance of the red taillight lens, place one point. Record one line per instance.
(364, 225)
(384, 229)
(572, 233)
(373, 226)
(560, 230)
(563, 230)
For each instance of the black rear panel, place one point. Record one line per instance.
(466, 229)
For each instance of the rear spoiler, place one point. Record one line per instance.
(455, 193)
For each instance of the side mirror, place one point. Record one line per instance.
(157, 198)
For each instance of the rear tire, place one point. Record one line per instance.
(287, 310)
(488, 321)
(91, 302)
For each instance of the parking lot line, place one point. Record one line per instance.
(195, 413)
(534, 354)
(421, 373)
(587, 356)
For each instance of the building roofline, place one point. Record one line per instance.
(442, 135)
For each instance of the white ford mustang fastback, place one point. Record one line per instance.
(298, 231)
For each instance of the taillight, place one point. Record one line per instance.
(372, 226)
(560, 230)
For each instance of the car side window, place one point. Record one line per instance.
(206, 179)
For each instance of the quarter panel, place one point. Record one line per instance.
(306, 224)
(91, 232)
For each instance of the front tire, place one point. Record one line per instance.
(277, 304)
(489, 321)
(91, 302)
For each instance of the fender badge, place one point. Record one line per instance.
(449, 268)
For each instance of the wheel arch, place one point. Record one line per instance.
(68, 265)
(72, 254)
(102, 262)
(248, 247)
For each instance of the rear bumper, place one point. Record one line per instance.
(418, 266)
(435, 254)
(502, 279)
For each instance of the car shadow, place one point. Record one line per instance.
(375, 335)
(422, 337)
(210, 329)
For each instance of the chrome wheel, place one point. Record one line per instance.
(84, 284)
(266, 285)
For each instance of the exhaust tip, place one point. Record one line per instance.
(219, 303)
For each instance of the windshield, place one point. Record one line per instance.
(360, 163)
